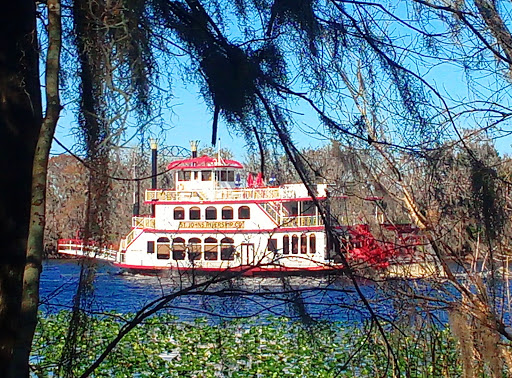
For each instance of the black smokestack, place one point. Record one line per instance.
(153, 163)
(136, 187)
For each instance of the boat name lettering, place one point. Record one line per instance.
(214, 224)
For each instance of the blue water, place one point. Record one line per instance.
(318, 298)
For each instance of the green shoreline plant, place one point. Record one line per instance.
(162, 346)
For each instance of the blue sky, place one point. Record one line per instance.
(192, 120)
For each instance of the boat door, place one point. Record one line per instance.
(247, 253)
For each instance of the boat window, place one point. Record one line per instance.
(206, 175)
(227, 212)
(163, 248)
(194, 213)
(223, 176)
(179, 213)
(151, 247)
(211, 213)
(303, 243)
(227, 249)
(308, 208)
(184, 175)
(292, 208)
(194, 249)
(210, 249)
(231, 176)
(244, 212)
(178, 249)
(272, 245)
(286, 244)
(312, 243)
(295, 244)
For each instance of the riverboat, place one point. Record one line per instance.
(219, 218)
(212, 222)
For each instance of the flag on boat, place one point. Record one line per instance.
(259, 180)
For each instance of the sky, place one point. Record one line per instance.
(191, 119)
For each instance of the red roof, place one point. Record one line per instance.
(203, 162)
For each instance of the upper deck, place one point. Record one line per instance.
(282, 193)
(204, 178)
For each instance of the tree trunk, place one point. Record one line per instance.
(20, 121)
(33, 266)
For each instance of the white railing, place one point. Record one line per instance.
(138, 223)
(173, 195)
(77, 248)
(123, 244)
(272, 211)
(220, 194)
(302, 221)
(143, 222)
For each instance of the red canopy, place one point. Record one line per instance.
(204, 162)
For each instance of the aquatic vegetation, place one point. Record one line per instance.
(164, 347)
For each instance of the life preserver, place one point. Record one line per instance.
(181, 187)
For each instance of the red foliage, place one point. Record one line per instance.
(376, 253)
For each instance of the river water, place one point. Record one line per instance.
(320, 298)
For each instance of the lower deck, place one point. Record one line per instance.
(219, 251)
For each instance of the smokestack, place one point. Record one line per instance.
(136, 187)
(154, 145)
(136, 201)
(193, 148)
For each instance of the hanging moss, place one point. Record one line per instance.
(487, 201)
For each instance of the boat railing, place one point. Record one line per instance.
(173, 195)
(220, 194)
(275, 210)
(129, 238)
(138, 223)
(272, 211)
(143, 222)
(302, 221)
(77, 247)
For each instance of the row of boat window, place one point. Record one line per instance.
(227, 212)
(293, 245)
(194, 249)
(206, 175)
